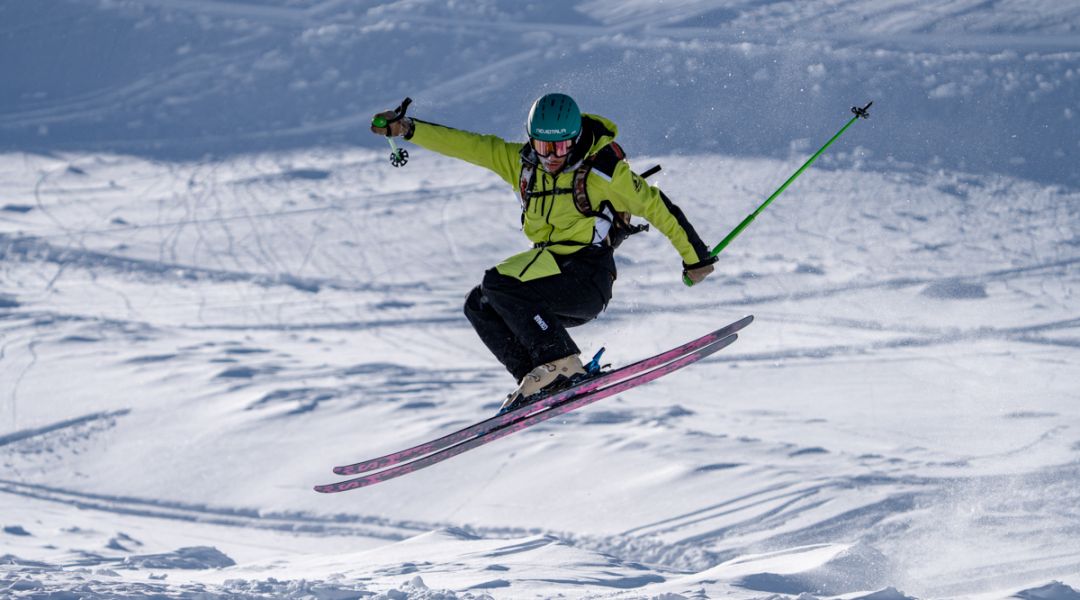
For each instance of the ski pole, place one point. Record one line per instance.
(860, 113)
(398, 156)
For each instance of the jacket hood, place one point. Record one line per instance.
(602, 131)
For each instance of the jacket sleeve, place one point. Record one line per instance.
(641, 199)
(488, 151)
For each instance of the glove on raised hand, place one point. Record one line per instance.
(395, 127)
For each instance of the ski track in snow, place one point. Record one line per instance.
(339, 525)
(900, 418)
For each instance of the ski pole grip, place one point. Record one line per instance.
(724, 242)
(399, 113)
(864, 112)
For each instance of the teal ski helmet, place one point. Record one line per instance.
(554, 118)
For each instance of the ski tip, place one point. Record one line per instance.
(737, 325)
(718, 345)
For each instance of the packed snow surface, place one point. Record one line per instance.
(214, 288)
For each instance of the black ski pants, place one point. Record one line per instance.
(524, 323)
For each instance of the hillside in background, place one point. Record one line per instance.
(963, 85)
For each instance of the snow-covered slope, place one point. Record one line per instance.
(193, 332)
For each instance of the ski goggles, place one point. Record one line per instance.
(544, 148)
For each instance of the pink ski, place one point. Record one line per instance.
(527, 420)
(501, 420)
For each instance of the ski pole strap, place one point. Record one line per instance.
(860, 113)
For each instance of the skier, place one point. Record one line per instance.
(575, 210)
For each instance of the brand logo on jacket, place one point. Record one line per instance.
(540, 321)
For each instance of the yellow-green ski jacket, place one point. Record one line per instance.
(552, 221)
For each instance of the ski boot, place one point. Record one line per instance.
(550, 378)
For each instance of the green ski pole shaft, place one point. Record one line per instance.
(860, 113)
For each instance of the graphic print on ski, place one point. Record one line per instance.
(524, 422)
(501, 420)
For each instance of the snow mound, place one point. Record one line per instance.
(416, 589)
(471, 565)
(85, 586)
(194, 557)
(1055, 590)
(889, 593)
(819, 570)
